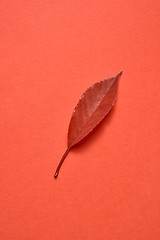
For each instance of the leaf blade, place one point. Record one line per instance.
(82, 121)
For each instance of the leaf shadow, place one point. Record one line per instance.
(97, 131)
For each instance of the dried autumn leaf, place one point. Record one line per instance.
(93, 106)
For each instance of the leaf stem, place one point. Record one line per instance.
(60, 163)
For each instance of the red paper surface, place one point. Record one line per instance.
(109, 186)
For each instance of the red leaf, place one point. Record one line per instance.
(93, 106)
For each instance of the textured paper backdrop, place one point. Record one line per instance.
(109, 186)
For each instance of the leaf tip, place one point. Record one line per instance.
(120, 73)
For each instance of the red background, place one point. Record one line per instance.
(109, 186)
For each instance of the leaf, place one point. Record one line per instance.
(93, 106)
